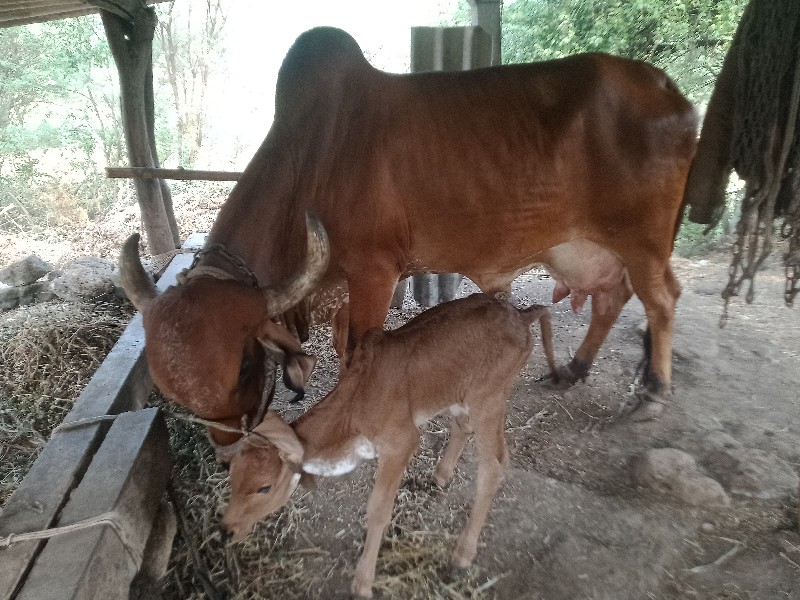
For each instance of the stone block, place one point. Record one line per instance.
(25, 271)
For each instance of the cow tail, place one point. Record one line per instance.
(679, 219)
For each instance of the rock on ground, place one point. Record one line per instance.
(24, 271)
(675, 472)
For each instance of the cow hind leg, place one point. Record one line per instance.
(606, 307)
(659, 294)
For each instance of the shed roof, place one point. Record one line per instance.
(23, 12)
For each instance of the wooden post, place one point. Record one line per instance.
(130, 36)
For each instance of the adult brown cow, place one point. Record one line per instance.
(578, 164)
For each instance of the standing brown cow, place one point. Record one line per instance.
(576, 164)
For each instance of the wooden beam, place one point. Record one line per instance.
(42, 18)
(182, 174)
(24, 12)
(127, 477)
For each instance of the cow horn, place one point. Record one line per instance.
(135, 281)
(279, 300)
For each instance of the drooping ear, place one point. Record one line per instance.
(297, 369)
(277, 431)
(308, 482)
(297, 365)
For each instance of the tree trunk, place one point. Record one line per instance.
(131, 43)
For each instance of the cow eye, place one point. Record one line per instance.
(264, 489)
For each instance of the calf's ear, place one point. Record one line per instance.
(280, 433)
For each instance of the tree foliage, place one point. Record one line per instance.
(57, 107)
(688, 38)
(191, 43)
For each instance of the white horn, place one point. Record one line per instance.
(135, 281)
(281, 299)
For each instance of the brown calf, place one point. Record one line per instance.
(462, 356)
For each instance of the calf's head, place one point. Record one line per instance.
(211, 342)
(264, 474)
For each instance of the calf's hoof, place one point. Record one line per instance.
(361, 590)
(440, 481)
(644, 406)
(462, 558)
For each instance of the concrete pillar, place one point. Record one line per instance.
(487, 14)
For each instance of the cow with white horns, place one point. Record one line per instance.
(577, 164)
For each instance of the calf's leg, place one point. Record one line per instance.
(460, 433)
(379, 512)
(493, 460)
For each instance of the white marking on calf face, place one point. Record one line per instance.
(362, 449)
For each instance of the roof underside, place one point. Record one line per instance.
(23, 12)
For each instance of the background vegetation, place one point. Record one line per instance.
(59, 121)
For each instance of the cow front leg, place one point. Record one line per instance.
(606, 307)
(370, 296)
(340, 327)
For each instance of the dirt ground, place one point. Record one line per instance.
(569, 522)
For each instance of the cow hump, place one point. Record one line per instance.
(316, 65)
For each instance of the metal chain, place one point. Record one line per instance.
(791, 232)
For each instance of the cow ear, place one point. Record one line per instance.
(297, 369)
(297, 365)
(271, 333)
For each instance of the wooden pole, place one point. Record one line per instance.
(180, 174)
(131, 43)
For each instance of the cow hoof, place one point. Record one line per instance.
(644, 406)
(561, 379)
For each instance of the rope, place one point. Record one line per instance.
(107, 518)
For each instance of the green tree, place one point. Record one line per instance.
(190, 44)
(686, 37)
(56, 93)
